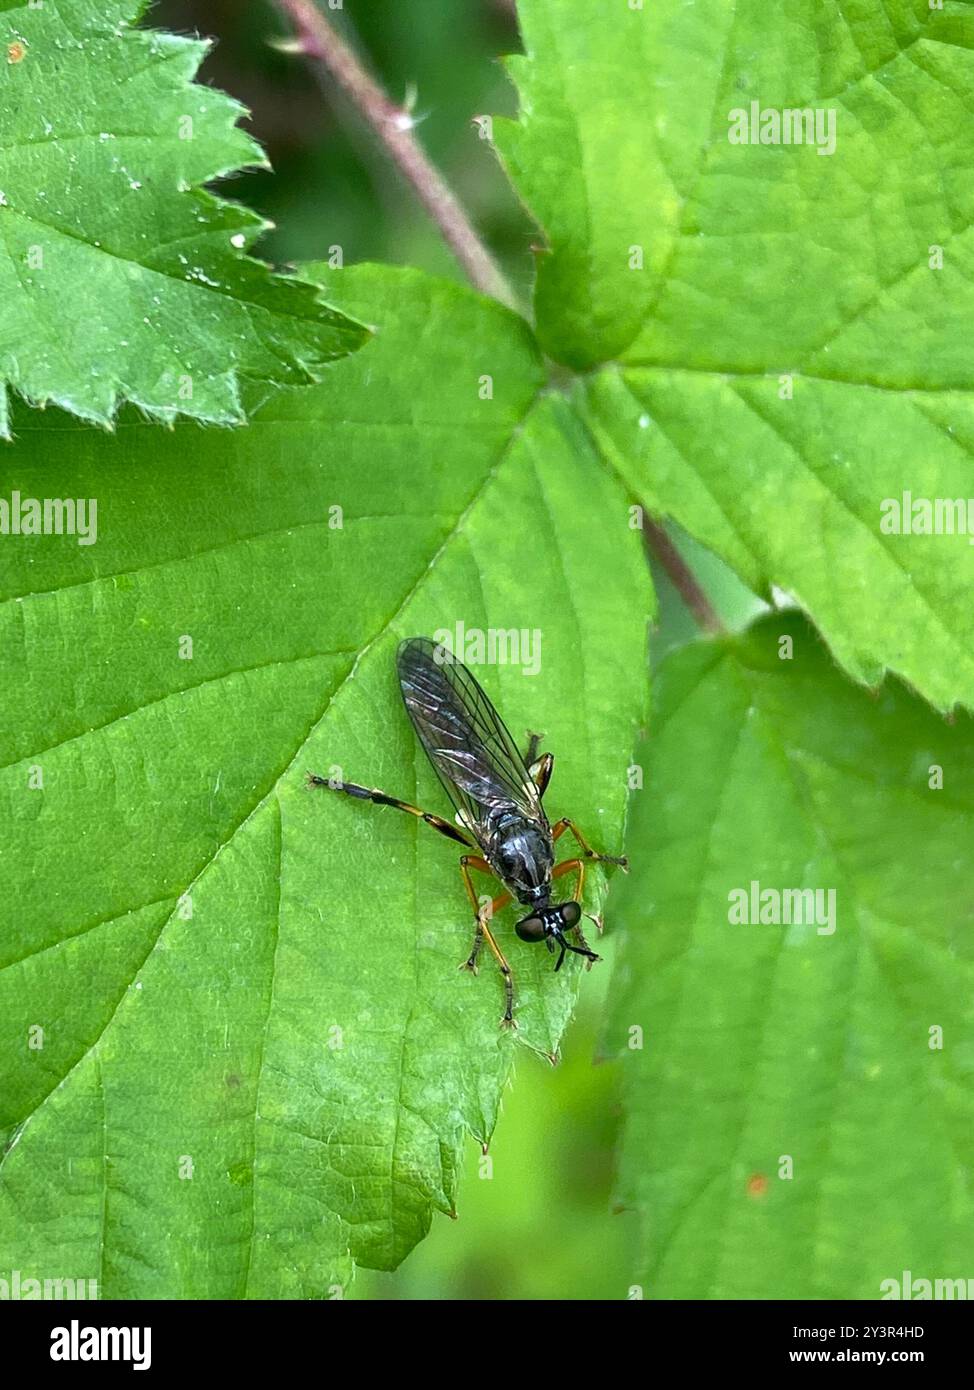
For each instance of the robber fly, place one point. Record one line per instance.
(497, 797)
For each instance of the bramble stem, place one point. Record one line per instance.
(319, 41)
(393, 126)
(661, 548)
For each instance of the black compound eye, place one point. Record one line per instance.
(531, 929)
(571, 914)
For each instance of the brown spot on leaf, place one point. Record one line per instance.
(757, 1185)
(16, 52)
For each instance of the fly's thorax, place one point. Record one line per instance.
(521, 853)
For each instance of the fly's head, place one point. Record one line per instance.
(548, 923)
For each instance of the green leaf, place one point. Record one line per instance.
(764, 1043)
(786, 360)
(121, 279)
(584, 157)
(302, 1044)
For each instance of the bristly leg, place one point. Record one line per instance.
(587, 851)
(381, 798)
(534, 743)
(483, 913)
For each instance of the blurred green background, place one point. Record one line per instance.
(541, 1225)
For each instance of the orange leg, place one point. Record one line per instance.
(539, 768)
(587, 851)
(381, 798)
(483, 914)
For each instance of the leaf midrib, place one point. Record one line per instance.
(515, 432)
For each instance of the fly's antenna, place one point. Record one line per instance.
(578, 950)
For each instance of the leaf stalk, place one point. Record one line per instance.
(393, 126)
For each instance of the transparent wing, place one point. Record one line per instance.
(464, 737)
